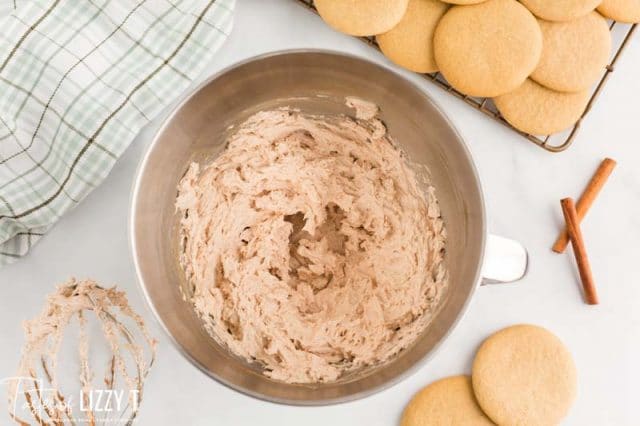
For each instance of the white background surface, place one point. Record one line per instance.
(523, 185)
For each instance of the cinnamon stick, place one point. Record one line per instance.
(579, 251)
(586, 199)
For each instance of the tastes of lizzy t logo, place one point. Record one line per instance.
(30, 400)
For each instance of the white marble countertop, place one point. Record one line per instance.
(523, 185)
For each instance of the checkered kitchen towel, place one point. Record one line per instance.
(78, 80)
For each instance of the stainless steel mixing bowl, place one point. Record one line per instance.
(317, 82)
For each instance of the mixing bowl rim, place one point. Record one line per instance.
(167, 120)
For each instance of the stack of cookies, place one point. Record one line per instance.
(522, 375)
(537, 59)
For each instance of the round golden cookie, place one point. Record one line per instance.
(447, 402)
(621, 10)
(410, 43)
(524, 375)
(463, 1)
(361, 17)
(574, 53)
(487, 49)
(560, 10)
(536, 110)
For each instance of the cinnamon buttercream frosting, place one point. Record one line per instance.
(310, 245)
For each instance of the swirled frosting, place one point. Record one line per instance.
(311, 246)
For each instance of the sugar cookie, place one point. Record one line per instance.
(447, 402)
(463, 1)
(621, 10)
(524, 375)
(560, 10)
(410, 43)
(487, 49)
(574, 53)
(536, 110)
(361, 17)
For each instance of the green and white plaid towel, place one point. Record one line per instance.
(78, 80)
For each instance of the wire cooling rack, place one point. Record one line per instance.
(556, 142)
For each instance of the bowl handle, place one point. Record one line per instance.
(505, 261)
